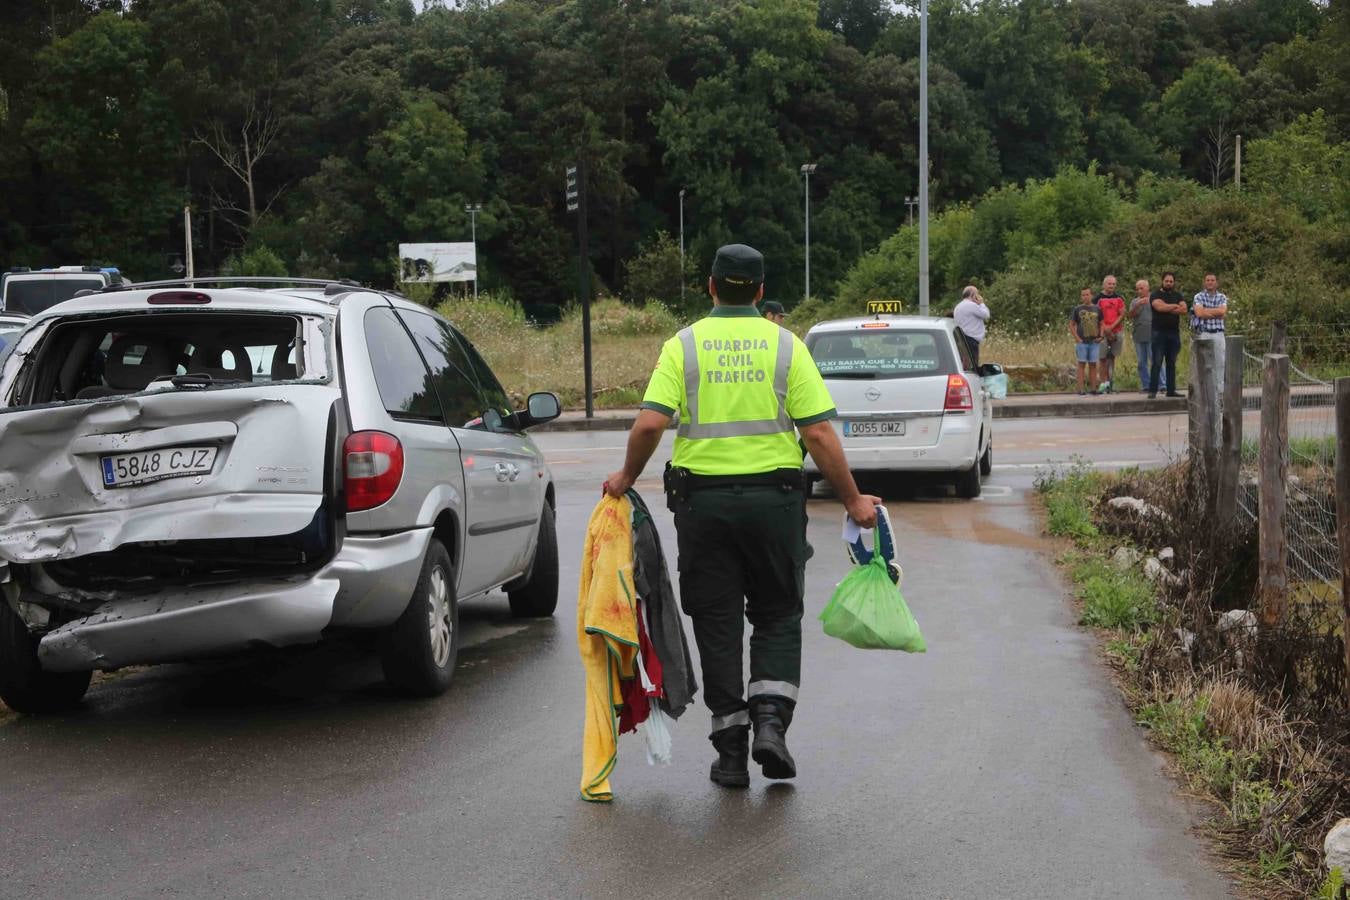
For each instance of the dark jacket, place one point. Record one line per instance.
(664, 626)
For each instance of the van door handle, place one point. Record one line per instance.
(502, 471)
(514, 470)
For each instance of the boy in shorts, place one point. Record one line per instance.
(1085, 325)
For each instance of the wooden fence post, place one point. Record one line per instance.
(1201, 407)
(1278, 335)
(1343, 511)
(1274, 543)
(1230, 448)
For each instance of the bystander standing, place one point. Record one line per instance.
(971, 314)
(1208, 310)
(1085, 325)
(1141, 317)
(1112, 306)
(1168, 308)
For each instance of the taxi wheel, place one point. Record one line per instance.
(968, 482)
(987, 460)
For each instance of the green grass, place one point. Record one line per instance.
(1180, 727)
(1111, 598)
(1068, 496)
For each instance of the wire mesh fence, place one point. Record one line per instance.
(1314, 558)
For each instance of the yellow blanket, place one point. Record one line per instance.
(608, 637)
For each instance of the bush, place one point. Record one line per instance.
(259, 260)
(490, 317)
(654, 273)
(614, 317)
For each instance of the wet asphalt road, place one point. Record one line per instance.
(999, 764)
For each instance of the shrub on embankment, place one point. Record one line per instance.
(1256, 718)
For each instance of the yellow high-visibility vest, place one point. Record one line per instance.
(741, 386)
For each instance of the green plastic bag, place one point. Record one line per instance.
(869, 612)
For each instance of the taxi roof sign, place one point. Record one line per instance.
(883, 307)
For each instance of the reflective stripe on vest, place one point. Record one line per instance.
(695, 430)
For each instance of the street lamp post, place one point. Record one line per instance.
(682, 248)
(473, 209)
(923, 157)
(807, 170)
(910, 203)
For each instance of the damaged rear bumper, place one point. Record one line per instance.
(368, 584)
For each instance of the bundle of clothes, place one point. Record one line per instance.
(639, 674)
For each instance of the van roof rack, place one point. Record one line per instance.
(219, 280)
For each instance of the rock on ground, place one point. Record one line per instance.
(1336, 848)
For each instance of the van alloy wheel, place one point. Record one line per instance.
(442, 629)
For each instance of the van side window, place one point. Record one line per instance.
(450, 372)
(496, 403)
(406, 387)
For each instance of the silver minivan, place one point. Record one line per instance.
(189, 471)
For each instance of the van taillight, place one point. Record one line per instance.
(958, 394)
(193, 298)
(373, 467)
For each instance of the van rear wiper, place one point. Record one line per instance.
(200, 379)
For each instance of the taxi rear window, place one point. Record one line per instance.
(883, 353)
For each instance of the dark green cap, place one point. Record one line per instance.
(738, 264)
(772, 306)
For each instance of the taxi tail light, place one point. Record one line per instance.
(372, 463)
(958, 394)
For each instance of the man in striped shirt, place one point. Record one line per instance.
(1208, 309)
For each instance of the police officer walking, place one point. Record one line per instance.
(743, 388)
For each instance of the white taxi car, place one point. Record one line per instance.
(908, 396)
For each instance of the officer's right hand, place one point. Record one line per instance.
(863, 510)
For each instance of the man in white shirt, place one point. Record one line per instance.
(971, 314)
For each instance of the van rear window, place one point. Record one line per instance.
(108, 357)
(883, 353)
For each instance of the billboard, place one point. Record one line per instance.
(437, 262)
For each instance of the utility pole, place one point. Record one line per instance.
(681, 248)
(923, 157)
(1237, 165)
(576, 202)
(473, 209)
(807, 169)
(187, 243)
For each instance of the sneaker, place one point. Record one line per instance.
(1173, 394)
(1152, 395)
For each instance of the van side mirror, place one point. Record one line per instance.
(540, 407)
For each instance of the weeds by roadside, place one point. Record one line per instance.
(1271, 754)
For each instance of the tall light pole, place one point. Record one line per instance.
(923, 157)
(681, 248)
(473, 209)
(910, 203)
(807, 169)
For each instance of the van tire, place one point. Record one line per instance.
(538, 597)
(418, 651)
(968, 482)
(24, 686)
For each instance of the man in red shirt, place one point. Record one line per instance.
(1112, 306)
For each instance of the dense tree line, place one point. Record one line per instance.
(317, 134)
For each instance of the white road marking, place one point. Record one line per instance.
(1097, 464)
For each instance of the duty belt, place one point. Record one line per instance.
(679, 481)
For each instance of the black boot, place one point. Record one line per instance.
(731, 768)
(772, 718)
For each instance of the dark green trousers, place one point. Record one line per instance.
(743, 556)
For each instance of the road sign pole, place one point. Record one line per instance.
(923, 157)
(576, 202)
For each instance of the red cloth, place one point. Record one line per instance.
(636, 698)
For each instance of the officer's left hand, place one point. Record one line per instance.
(617, 485)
